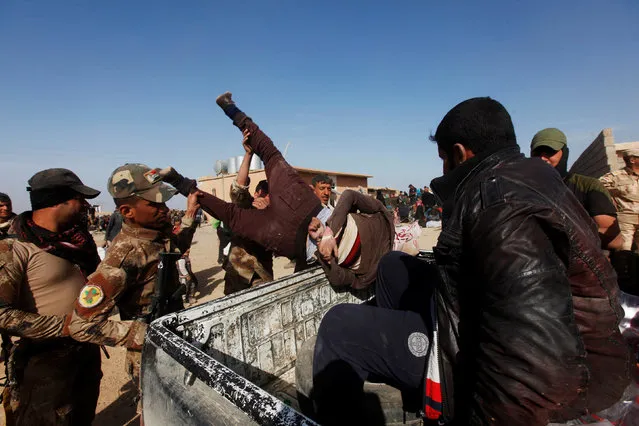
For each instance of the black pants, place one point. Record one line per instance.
(58, 385)
(386, 343)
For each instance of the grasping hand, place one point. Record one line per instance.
(328, 245)
(261, 203)
(245, 144)
(192, 202)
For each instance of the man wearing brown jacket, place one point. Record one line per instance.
(356, 236)
(282, 227)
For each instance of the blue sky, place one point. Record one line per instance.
(353, 86)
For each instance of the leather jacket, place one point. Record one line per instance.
(527, 305)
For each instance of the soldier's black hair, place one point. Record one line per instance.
(4, 198)
(480, 124)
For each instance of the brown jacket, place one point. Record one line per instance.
(376, 231)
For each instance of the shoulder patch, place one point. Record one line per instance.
(90, 296)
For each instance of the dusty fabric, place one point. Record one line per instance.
(248, 263)
(58, 384)
(55, 380)
(375, 230)
(630, 234)
(623, 186)
(36, 281)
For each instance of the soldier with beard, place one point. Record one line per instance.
(52, 379)
(126, 278)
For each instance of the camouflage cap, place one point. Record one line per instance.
(551, 137)
(141, 181)
(633, 152)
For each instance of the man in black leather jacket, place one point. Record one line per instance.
(525, 301)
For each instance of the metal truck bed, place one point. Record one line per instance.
(231, 361)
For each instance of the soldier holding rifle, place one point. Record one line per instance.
(138, 274)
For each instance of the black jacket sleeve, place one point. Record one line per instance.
(526, 351)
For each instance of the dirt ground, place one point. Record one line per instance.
(115, 406)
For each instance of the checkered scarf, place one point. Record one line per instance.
(75, 245)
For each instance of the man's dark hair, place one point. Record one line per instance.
(322, 178)
(262, 186)
(480, 124)
(4, 198)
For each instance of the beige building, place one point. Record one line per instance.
(220, 185)
(603, 155)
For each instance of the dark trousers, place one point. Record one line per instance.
(57, 386)
(283, 226)
(224, 236)
(386, 343)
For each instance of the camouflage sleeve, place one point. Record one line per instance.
(184, 238)
(15, 321)
(90, 322)
(608, 181)
(240, 195)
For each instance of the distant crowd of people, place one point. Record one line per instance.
(515, 324)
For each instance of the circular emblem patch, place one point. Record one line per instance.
(418, 344)
(90, 296)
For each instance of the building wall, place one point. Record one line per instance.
(603, 155)
(341, 182)
(351, 182)
(599, 158)
(220, 186)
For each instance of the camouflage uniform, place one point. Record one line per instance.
(623, 186)
(249, 264)
(126, 278)
(51, 379)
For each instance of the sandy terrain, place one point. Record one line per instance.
(115, 406)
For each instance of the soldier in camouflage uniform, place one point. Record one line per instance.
(623, 186)
(126, 278)
(44, 262)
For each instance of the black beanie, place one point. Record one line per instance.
(49, 197)
(4, 198)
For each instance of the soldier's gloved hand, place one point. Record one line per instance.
(176, 180)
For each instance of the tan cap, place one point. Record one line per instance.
(141, 181)
(634, 152)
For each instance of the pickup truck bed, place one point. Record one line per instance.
(231, 361)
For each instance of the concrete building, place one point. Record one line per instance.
(220, 185)
(603, 155)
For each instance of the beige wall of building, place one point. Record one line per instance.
(220, 185)
(602, 155)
